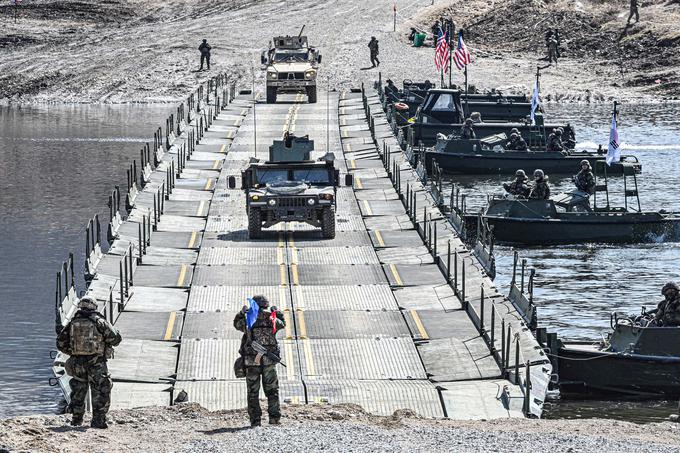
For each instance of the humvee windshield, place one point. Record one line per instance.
(271, 175)
(280, 56)
(308, 175)
(312, 175)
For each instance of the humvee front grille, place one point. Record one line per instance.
(291, 75)
(292, 202)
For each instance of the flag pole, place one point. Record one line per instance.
(450, 54)
(467, 93)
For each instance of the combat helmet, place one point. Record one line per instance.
(585, 162)
(469, 121)
(514, 136)
(87, 303)
(559, 131)
(520, 174)
(261, 301)
(538, 173)
(670, 285)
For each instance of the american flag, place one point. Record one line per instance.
(441, 53)
(461, 56)
(16, 2)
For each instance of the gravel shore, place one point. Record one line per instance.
(190, 428)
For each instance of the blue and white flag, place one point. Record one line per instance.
(613, 152)
(534, 102)
(251, 314)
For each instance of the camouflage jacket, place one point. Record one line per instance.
(555, 143)
(110, 334)
(518, 187)
(668, 312)
(585, 181)
(518, 145)
(467, 132)
(263, 332)
(540, 191)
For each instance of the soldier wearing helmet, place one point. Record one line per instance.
(541, 189)
(88, 339)
(519, 186)
(516, 142)
(584, 179)
(467, 132)
(555, 141)
(667, 313)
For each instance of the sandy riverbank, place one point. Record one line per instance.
(146, 50)
(190, 428)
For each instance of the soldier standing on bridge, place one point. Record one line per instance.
(204, 48)
(260, 351)
(634, 11)
(89, 340)
(373, 47)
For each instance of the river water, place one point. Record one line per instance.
(58, 165)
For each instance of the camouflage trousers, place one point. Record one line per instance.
(270, 385)
(89, 372)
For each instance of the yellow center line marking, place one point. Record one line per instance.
(295, 258)
(193, 239)
(358, 183)
(279, 256)
(367, 208)
(296, 277)
(419, 325)
(397, 277)
(282, 275)
(201, 205)
(182, 275)
(309, 359)
(208, 184)
(349, 147)
(353, 163)
(345, 134)
(170, 326)
(289, 325)
(303, 325)
(216, 165)
(223, 148)
(289, 360)
(379, 237)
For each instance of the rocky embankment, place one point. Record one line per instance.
(190, 428)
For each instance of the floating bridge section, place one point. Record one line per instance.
(386, 315)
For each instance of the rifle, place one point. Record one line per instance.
(261, 350)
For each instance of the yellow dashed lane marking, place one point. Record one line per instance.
(208, 184)
(170, 326)
(349, 147)
(345, 134)
(296, 277)
(419, 325)
(294, 259)
(289, 325)
(367, 208)
(282, 275)
(303, 325)
(300, 302)
(199, 212)
(358, 183)
(222, 149)
(353, 163)
(379, 238)
(192, 241)
(397, 277)
(279, 256)
(182, 275)
(216, 165)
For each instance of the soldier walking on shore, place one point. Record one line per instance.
(553, 49)
(89, 340)
(634, 5)
(373, 48)
(204, 48)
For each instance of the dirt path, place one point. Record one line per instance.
(190, 428)
(146, 50)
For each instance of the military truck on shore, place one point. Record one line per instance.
(291, 66)
(291, 187)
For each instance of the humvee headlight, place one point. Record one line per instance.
(311, 201)
(255, 197)
(271, 75)
(310, 74)
(271, 202)
(326, 196)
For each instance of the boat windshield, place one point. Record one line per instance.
(444, 103)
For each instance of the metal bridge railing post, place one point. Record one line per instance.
(493, 329)
(448, 262)
(516, 341)
(481, 310)
(503, 347)
(462, 272)
(455, 272)
(527, 389)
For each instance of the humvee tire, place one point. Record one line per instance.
(328, 223)
(271, 95)
(255, 224)
(311, 95)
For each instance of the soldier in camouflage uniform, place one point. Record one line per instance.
(555, 140)
(553, 50)
(516, 142)
(667, 313)
(541, 189)
(634, 11)
(467, 132)
(89, 339)
(259, 367)
(519, 186)
(584, 179)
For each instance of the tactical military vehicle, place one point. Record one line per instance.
(291, 187)
(291, 66)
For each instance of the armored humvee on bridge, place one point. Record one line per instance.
(291, 66)
(291, 187)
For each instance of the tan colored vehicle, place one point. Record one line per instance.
(291, 66)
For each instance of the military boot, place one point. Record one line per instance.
(255, 423)
(275, 421)
(99, 422)
(76, 420)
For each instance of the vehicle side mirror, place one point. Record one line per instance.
(349, 180)
(231, 182)
(263, 58)
(318, 58)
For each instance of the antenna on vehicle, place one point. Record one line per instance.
(252, 67)
(301, 30)
(328, 114)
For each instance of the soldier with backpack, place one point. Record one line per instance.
(89, 339)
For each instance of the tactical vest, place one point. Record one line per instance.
(86, 338)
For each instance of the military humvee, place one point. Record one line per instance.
(291, 187)
(291, 66)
